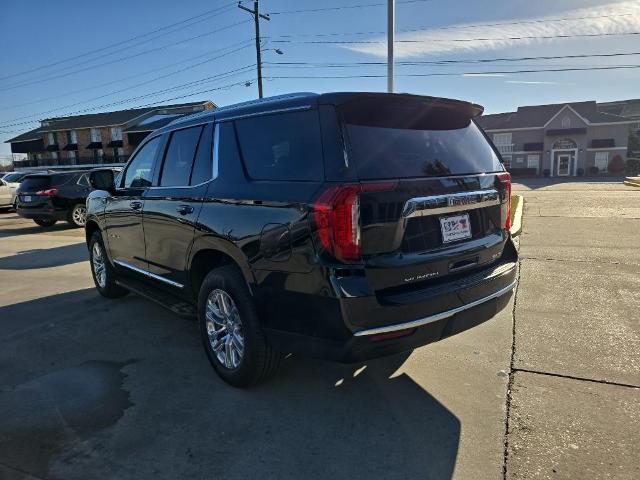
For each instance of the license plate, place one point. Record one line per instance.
(26, 198)
(456, 227)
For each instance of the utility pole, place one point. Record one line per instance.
(256, 17)
(391, 33)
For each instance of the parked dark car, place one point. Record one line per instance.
(49, 197)
(345, 226)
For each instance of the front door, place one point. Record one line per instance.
(172, 206)
(564, 163)
(123, 211)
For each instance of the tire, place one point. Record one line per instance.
(78, 215)
(255, 360)
(45, 222)
(104, 278)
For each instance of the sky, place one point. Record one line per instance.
(71, 56)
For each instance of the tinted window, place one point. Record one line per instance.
(35, 183)
(84, 180)
(139, 171)
(282, 147)
(179, 157)
(13, 177)
(414, 139)
(203, 166)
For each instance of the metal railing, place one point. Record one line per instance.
(505, 149)
(69, 162)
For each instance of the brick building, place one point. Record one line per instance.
(95, 139)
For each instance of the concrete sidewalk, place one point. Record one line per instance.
(574, 404)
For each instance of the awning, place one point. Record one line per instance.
(566, 131)
(53, 147)
(94, 145)
(603, 143)
(71, 146)
(115, 144)
(28, 146)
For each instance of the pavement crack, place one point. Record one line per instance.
(572, 377)
(510, 382)
(568, 260)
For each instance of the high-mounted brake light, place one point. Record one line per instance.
(51, 192)
(337, 217)
(505, 178)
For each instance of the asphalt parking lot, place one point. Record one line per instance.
(102, 389)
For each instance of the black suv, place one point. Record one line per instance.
(49, 197)
(343, 225)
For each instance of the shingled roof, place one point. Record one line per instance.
(536, 116)
(105, 119)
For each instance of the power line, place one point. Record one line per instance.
(207, 13)
(224, 75)
(343, 7)
(429, 40)
(40, 114)
(128, 77)
(144, 52)
(447, 74)
(454, 27)
(447, 62)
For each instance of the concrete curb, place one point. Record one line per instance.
(632, 181)
(516, 225)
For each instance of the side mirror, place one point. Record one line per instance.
(102, 180)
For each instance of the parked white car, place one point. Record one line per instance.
(10, 183)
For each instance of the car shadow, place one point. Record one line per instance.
(313, 419)
(45, 257)
(33, 229)
(534, 183)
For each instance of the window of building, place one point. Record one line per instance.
(533, 161)
(506, 159)
(116, 134)
(566, 122)
(51, 138)
(178, 160)
(502, 139)
(71, 154)
(96, 136)
(72, 137)
(98, 154)
(54, 155)
(282, 147)
(139, 171)
(602, 161)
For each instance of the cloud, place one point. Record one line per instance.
(618, 17)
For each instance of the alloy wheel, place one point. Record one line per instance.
(79, 215)
(99, 267)
(224, 328)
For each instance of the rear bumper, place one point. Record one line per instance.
(379, 325)
(47, 213)
(362, 347)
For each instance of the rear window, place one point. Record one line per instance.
(179, 157)
(284, 146)
(35, 183)
(407, 139)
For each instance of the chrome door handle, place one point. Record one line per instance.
(184, 209)
(136, 205)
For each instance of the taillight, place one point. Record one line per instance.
(505, 178)
(337, 217)
(51, 192)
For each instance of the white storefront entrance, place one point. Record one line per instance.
(564, 158)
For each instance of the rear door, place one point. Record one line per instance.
(172, 205)
(5, 193)
(433, 199)
(123, 210)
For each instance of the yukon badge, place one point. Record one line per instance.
(423, 276)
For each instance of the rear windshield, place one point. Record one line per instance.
(13, 177)
(407, 139)
(40, 182)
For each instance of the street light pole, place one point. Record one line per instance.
(391, 33)
(256, 17)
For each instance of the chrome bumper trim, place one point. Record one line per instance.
(437, 316)
(449, 203)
